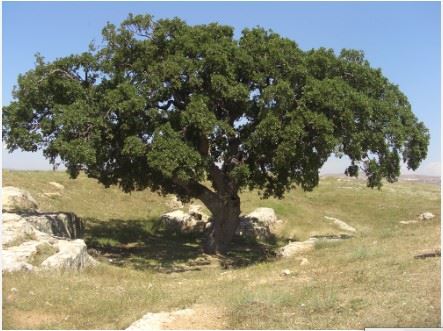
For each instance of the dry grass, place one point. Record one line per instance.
(371, 280)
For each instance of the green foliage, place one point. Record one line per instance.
(161, 102)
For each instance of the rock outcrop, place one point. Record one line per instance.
(258, 224)
(297, 248)
(28, 235)
(156, 321)
(341, 225)
(17, 200)
(181, 222)
(426, 216)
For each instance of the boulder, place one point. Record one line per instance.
(182, 222)
(57, 185)
(156, 321)
(174, 203)
(17, 258)
(262, 216)
(43, 240)
(257, 224)
(196, 211)
(65, 225)
(297, 247)
(15, 230)
(426, 216)
(341, 225)
(17, 200)
(253, 231)
(72, 255)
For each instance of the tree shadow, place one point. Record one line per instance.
(144, 245)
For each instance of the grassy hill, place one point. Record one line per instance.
(371, 280)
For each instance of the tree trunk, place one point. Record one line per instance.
(225, 215)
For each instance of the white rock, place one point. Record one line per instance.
(57, 185)
(174, 203)
(409, 222)
(297, 247)
(304, 261)
(17, 200)
(426, 216)
(16, 258)
(155, 321)
(15, 229)
(195, 209)
(180, 221)
(262, 215)
(341, 225)
(286, 272)
(52, 194)
(65, 225)
(71, 255)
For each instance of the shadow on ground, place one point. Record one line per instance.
(142, 245)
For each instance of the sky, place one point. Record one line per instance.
(401, 38)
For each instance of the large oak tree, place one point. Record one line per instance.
(172, 107)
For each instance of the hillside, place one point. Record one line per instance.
(371, 280)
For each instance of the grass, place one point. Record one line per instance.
(371, 280)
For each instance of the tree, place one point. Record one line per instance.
(192, 111)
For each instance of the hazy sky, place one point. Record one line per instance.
(402, 38)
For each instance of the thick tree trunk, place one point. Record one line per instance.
(225, 213)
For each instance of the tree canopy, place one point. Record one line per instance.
(165, 105)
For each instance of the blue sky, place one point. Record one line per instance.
(402, 38)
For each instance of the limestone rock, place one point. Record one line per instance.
(57, 185)
(16, 258)
(297, 247)
(341, 225)
(65, 225)
(15, 229)
(408, 222)
(52, 194)
(426, 216)
(257, 225)
(17, 200)
(155, 321)
(286, 272)
(304, 261)
(182, 222)
(263, 216)
(174, 203)
(253, 231)
(71, 255)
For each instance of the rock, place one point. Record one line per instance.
(426, 216)
(304, 261)
(286, 272)
(196, 211)
(16, 258)
(297, 247)
(65, 225)
(436, 252)
(57, 185)
(263, 216)
(174, 203)
(253, 231)
(341, 225)
(182, 222)
(408, 222)
(16, 230)
(52, 194)
(257, 225)
(155, 321)
(30, 238)
(71, 255)
(17, 200)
